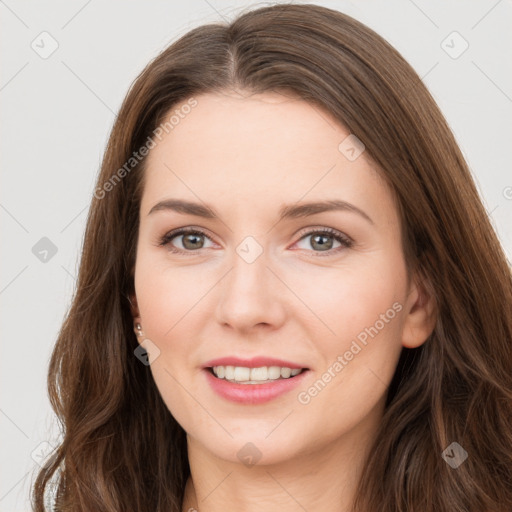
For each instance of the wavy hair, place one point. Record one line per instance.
(122, 449)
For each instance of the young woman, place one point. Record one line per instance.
(290, 296)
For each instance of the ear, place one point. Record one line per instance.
(134, 307)
(420, 313)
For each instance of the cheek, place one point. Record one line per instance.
(353, 382)
(169, 302)
(165, 299)
(359, 340)
(342, 302)
(168, 297)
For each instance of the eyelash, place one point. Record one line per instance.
(345, 241)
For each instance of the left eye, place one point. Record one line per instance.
(323, 241)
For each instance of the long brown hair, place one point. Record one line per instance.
(122, 449)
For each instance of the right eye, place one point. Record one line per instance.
(191, 240)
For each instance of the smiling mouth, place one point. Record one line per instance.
(261, 375)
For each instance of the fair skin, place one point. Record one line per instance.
(246, 155)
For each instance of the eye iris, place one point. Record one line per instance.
(323, 245)
(195, 238)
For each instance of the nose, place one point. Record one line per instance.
(251, 297)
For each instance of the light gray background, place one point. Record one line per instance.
(57, 113)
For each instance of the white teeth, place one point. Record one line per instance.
(243, 374)
(286, 372)
(274, 372)
(229, 372)
(259, 373)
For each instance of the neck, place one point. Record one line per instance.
(322, 478)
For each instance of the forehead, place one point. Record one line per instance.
(257, 149)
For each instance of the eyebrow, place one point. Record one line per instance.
(292, 211)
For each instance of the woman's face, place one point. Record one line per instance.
(263, 276)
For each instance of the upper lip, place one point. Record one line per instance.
(255, 362)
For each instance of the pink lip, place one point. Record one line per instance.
(255, 362)
(252, 393)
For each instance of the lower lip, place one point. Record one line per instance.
(253, 393)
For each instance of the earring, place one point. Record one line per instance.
(139, 329)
